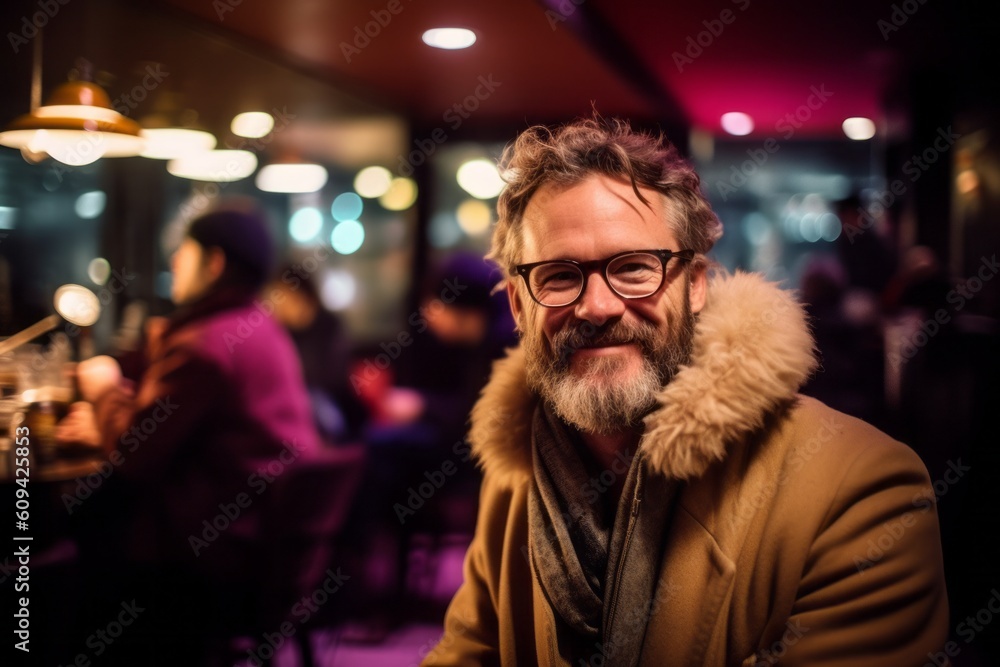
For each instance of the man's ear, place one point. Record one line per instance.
(514, 297)
(699, 286)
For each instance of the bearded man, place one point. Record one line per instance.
(656, 491)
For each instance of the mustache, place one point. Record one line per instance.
(584, 335)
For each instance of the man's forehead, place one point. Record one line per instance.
(600, 191)
(583, 205)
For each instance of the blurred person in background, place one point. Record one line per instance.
(864, 246)
(462, 327)
(420, 406)
(656, 491)
(846, 326)
(220, 411)
(325, 352)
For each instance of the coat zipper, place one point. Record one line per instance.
(636, 502)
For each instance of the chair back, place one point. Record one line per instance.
(311, 504)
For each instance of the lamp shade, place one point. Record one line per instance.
(76, 126)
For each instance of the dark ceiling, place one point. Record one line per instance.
(680, 65)
(682, 62)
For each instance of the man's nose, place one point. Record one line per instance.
(598, 303)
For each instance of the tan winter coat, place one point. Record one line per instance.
(802, 536)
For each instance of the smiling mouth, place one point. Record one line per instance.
(607, 346)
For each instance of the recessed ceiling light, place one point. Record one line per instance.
(449, 38)
(737, 123)
(859, 128)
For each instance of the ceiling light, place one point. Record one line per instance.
(449, 38)
(77, 126)
(220, 166)
(859, 128)
(292, 177)
(737, 123)
(480, 178)
(168, 143)
(252, 124)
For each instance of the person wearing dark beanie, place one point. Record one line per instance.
(225, 390)
(226, 247)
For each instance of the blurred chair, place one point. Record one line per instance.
(305, 516)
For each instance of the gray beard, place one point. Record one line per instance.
(602, 399)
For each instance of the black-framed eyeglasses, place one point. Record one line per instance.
(633, 274)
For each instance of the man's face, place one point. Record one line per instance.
(192, 275)
(600, 360)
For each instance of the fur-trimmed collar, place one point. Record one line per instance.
(752, 352)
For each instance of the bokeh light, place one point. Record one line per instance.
(305, 224)
(347, 237)
(347, 206)
(372, 182)
(401, 195)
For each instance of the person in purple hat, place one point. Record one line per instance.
(219, 415)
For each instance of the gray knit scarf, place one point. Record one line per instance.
(601, 608)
